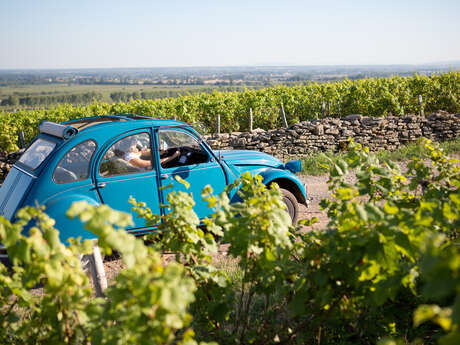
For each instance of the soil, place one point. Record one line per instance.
(317, 189)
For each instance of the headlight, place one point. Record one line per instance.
(294, 166)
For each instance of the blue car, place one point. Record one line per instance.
(107, 159)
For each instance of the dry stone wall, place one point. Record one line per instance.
(6, 161)
(331, 134)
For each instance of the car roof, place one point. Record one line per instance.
(124, 120)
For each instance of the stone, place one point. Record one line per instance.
(319, 130)
(332, 131)
(353, 117)
(240, 142)
(347, 132)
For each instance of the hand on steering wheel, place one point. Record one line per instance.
(166, 161)
(176, 154)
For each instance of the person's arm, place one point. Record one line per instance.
(169, 158)
(140, 163)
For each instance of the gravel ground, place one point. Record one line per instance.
(317, 189)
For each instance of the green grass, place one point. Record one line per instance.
(316, 164)
(230, 266)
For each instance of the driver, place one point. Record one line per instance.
(165, 153)
(165, 158)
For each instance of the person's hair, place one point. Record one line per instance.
(118, 153)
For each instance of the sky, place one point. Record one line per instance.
(43, 34)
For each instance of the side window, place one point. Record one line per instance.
(37, 153)
(179, 148)
(128, 155)
(74, 166)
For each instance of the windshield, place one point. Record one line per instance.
(200, 128)
(37, 153)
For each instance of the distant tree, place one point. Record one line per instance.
(115, 96)
(135, 95)
(13, 100)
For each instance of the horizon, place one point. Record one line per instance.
(445, 64)
(113, 34)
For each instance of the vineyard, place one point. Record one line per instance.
(385, 269)
(373, 96)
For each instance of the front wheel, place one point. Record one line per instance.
(292, 206)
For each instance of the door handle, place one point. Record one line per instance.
(101, 185)
(164, 176)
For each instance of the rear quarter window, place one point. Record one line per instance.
(37, 153)
(75, 164)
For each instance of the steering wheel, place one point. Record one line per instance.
(173, 162)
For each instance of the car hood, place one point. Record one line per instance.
(249, 158)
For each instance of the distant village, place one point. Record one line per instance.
(251, 75)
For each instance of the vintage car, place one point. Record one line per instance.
(107, 159)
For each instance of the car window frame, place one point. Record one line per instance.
(89, 163)
(112, 141)
(186, 131)
(50, 154)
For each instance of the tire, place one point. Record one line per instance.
(292, 206)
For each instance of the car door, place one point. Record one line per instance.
(117, 179)
(182, 155)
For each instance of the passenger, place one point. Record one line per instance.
(138, 157)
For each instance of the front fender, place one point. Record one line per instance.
(67, 227)
(285, 179)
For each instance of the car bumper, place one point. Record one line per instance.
(3, 251)
(4, 256)
(307, 199)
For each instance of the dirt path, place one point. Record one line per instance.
(317, 189)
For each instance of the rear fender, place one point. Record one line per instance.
(67, 227)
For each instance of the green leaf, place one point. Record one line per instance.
(22, 252)
(182, 181)
(336, 171)
(390, 209)
(269, 254)
(452, 338)
(345, 193)
(361, 212)
(425, 313)
(448, 212)
(374, 212)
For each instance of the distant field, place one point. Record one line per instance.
(46, 95)
(105, 90)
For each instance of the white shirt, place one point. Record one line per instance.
(131, 155)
